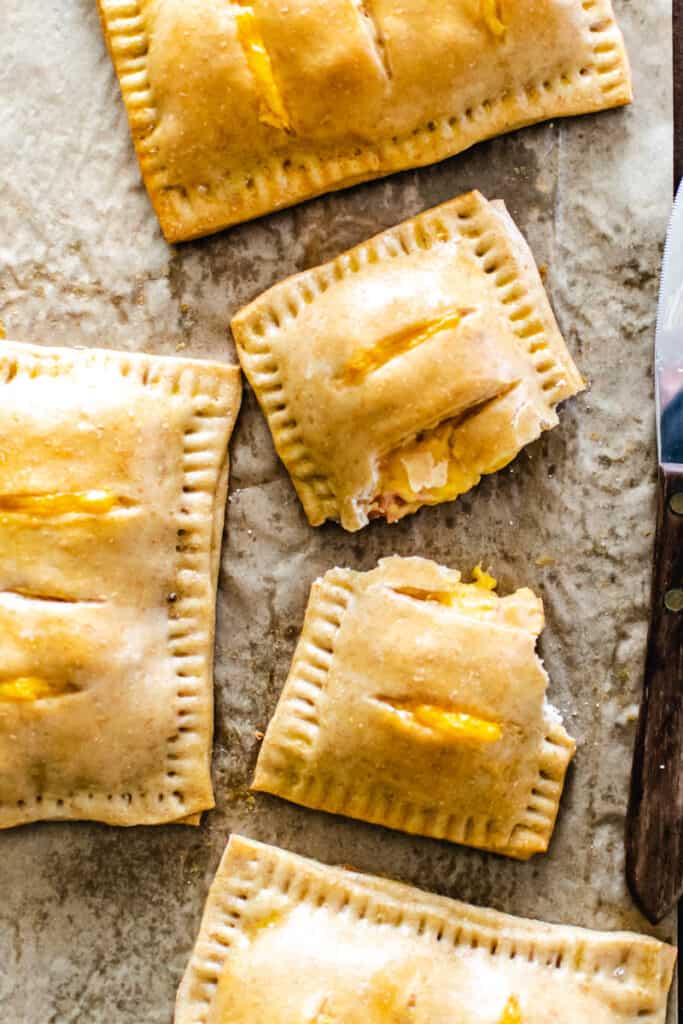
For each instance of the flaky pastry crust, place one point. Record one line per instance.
(401, 372)
(417, 702)
(239, 108)
(286, 939)
(114, 474)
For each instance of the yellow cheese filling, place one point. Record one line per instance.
(493, 17)
(59, 503)
(370, 359)
(447, 724)
(476, 596)
(431, 468)
(271, 106)
(386, 996)
(512, 1013)
(426, 470)
(483, 579)
(444, 597)
(254, 925)
(23, 689)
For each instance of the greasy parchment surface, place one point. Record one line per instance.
(96, 924)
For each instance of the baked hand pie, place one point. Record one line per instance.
(238, 108)
(417, 701)
(398, 374)
(289, 941)
(113, 480)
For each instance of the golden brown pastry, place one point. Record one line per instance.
(238, 108)
(113, 480)
(417, 701)
(286, 940)
(398, 374)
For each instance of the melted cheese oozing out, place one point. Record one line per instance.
(272, 108)
(23, 689)
(492, 17)
(430, 469)
(426, 469)
(396, 344)
(456, 725)
(512, 1013)
(57, 504)
(484, 579)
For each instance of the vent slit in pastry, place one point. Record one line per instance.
(24, 594)
(23, 689)
(55, 504)
(461, 595)
(372, 26)
(443, 722)
(272, 109)
(512, 1013)
(493, 16)
(443, 597)
(368, 360)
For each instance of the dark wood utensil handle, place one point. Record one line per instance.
(654, 837)
(678, 90)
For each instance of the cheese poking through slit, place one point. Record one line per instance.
(493, 18)
(445, 723)
(444, 597)
(476, 596)
(512, 1013)
(23, 689)
(95, 502)
(368, 360)
(271, 106)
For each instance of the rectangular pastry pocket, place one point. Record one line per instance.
(113, 482)
(417, 702)
(285, 939)
(239, 108)
(401, 372)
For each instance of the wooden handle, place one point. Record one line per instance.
(678, 90)
(654, 824)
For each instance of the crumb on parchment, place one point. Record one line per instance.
(544, 560)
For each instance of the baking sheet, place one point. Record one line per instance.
(97, 923)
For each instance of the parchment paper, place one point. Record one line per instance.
(96, 923)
